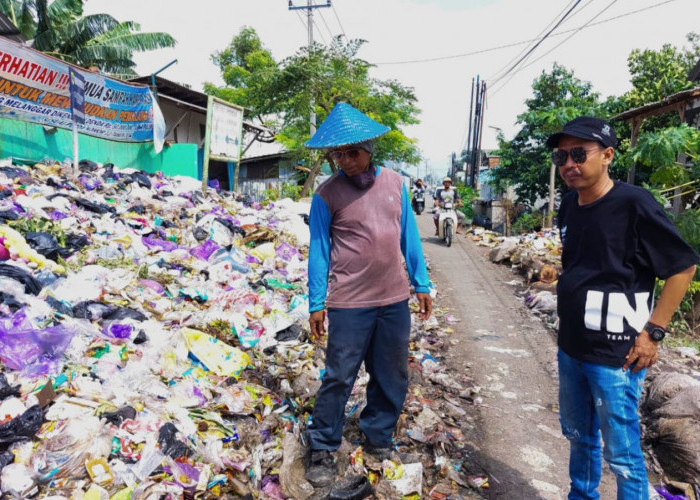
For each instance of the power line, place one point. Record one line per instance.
(527, 54)
(319, 32)
(339, 23)
(492, 76)
(301, 20)
(514, 44)
(330, 33)
(555, 47)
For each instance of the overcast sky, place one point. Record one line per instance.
(398, 31)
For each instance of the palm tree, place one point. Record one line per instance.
(59, 28)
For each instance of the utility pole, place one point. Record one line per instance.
(467, 170)
(310, 26)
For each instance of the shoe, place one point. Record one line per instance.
(379, 453)
(320, 468)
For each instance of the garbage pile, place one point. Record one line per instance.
(670, 411)
(155, 344)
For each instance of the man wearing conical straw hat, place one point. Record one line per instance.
(362, 231)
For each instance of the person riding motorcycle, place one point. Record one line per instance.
(418, 193)
(443, 195)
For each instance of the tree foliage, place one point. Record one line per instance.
(59, 28)
(558, 96)
(281, 94)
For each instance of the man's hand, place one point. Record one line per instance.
(644, 352)
(426, 305)
(316, 321)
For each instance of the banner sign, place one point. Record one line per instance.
(77, 96)
(226, 131)
(35, 88)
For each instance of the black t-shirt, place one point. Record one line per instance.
(613, 249)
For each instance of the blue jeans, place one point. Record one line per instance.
(595, 399)
(379, 337)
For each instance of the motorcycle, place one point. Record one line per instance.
(418, 202)
(447, 223)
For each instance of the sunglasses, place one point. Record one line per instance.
(578, 155)
(351, 154)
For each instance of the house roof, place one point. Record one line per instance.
(660, 107)
(187, 97)
(9, 30)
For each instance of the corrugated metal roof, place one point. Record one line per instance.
(9, 30)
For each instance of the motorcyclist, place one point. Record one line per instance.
(443, 195)
(417, 191)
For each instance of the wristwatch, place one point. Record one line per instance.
(656, 333)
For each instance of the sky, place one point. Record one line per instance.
(435, 47)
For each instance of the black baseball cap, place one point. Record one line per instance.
(588, 128)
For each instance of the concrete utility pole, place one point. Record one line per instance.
(310, 26)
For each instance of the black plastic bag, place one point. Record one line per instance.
(142, 179)
(117, 417)
(125, 313)
(109, 171)
(11, 302)
(7, 390)
(231, 226)
(351, 488)
(141, 338)
(87, 165)
(97, 208)
(23, 427)
(44, 243)
(31, 285)
(6, 458)
(59, 306)
(5, 193)
(92, 310)
(290, 333)
(137, 209)
(169, 445)
(75, 242)
(9, 215)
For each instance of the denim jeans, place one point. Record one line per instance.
(379, 337)
(595, 399)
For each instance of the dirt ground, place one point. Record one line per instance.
(509, 358)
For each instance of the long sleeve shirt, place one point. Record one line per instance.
(360, 239)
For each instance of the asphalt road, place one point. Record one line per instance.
(505, 352)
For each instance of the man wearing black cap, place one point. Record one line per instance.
(616, 240)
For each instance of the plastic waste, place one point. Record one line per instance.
(215, 355)
(168, 442)
(31, 285)
(21, 428)
(7, 390)
(37, 351)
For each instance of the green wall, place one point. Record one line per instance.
(29, 141)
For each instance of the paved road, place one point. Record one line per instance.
(505, 350)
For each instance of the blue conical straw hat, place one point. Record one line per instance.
(345, 125)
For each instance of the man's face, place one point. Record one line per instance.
(350, 159)
(591, 170)
(447, 184)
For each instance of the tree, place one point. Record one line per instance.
(280, 94)
(59, 28)
(558, 96)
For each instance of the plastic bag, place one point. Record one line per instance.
(168, 442)
(23, 427)
(23, 347)
(31, 285)
(205, 250)
(217, 356)
(7, 390)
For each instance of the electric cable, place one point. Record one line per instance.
(492, 76)
(330, 33)
(338, 18)
(527, 54)
(514, 44)
(553, 48)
